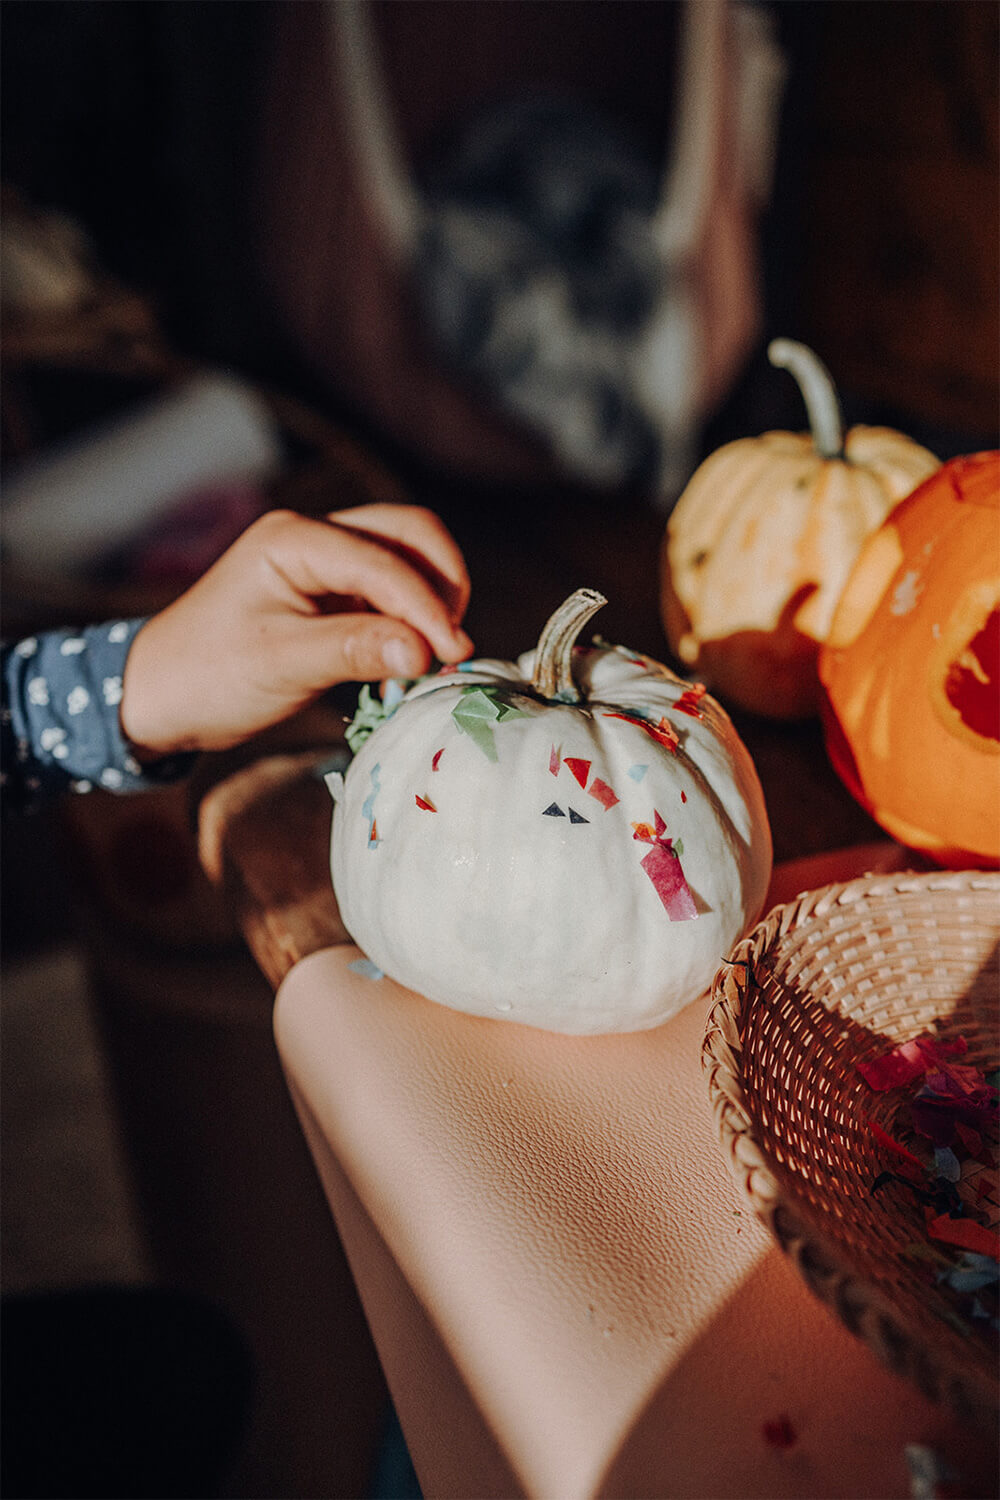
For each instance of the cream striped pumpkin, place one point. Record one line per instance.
(760, 544)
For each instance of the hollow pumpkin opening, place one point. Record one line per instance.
(972, 682)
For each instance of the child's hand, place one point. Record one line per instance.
(293, 607)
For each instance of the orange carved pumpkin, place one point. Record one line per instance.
(760, 544)
(911, 668)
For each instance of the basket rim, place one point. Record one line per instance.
(854, 1299)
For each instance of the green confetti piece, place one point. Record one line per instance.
(476, 713)
(371, 712)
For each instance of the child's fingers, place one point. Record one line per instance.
(317, 559)
(357, 648)
(422, 538)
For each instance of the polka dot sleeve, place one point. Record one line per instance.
(59, 717)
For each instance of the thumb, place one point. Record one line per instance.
(359, 648)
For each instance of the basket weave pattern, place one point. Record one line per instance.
(825, 982)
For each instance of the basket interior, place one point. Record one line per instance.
(843, 988)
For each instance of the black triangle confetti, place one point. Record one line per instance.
(553, 811)
(576, 817)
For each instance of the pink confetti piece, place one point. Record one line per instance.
(554, 757)
(650, 833)
(425, 804)
(664, 870)
(579, 768)
(602, 793)
(437, 759)
(688, 701)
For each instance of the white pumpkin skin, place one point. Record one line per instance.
(490, 906)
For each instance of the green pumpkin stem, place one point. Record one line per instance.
(818, 392)
(553, 674)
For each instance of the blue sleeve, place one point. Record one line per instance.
(59, 727)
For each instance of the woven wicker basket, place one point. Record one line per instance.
(829, 980)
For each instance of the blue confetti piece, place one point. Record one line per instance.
(365, 967)
(576, 817)
(947, 1164)
(637, 772)
(368, 806)
(553, 811)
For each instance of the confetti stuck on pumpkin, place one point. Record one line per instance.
(435, 763)
(688, 701)
(663, 732)
(576, 817)
(579, 768)
(602, 793)
(554, 758)
(663, 867)
(424, 803)
(637, 772)
(478, 710)
(368, 806)
(553, 811)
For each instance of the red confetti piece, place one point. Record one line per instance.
(684, 795)
(971, 1139)
(965, 1233)
(688, 701)
(900, 1065)
(425, 805)
(554, 755)
(437, 759)
(907, 1061)
(664, 870)
(373, 833)
(579, 768)
(780, 1433)
(658, 824)
(602, 793)
(662, 733)
(892, 1145)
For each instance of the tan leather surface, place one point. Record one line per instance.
(561, 1280)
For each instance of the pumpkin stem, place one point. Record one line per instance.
(553, 674)
(818, 392)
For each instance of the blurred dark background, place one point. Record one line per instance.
(171, 131)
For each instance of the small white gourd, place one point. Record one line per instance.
(574, 841)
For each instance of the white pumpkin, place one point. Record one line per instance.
(574, 841)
